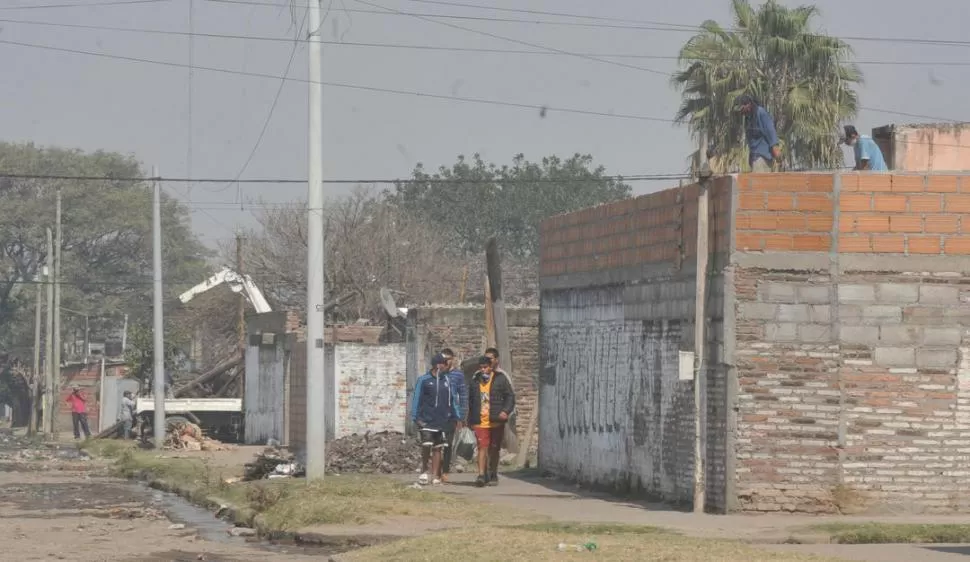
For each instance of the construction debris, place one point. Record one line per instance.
(188, 436)
(272, 462)
(373, 453)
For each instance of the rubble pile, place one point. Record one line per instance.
(273, 462)
(383, 453)
(188, 436)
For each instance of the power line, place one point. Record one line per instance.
(441, 48)
(349, 86)
(517, 41)
(640, 26)
(391, 181)
(276, 99)
(88, 5)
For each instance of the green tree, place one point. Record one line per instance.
(804, 79)
(107, 242)
(473, 201)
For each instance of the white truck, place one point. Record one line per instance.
(221, 418)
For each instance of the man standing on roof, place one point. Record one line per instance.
(759, 130)
(433, 410)
(868, 155)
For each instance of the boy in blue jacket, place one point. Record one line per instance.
(460, 396)
(433, 410)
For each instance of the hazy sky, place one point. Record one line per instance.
(56, 97)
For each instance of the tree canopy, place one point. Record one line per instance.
(107, 240)
(473, 201)
(805, 80)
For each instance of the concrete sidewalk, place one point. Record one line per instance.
(563, 502)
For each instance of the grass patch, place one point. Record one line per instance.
(486, 544)
(292, 504)
(894, 533)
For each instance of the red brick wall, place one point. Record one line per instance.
(904, 214)
(88, 377)
(653, 228)
(784, 212)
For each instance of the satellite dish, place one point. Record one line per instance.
(390, 307)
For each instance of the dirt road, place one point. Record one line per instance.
(58, 505)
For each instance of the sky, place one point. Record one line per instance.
(77, 84)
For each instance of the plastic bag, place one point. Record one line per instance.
(465, 444)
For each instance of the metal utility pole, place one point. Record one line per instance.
(316, 434)
(35, 380)
(158, 424)
(241, 312)
(703, 172)
(49, 339)
(58, 344)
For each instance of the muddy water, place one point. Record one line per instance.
(213, 529)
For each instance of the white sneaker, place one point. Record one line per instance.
(436, 482)
(423, 479)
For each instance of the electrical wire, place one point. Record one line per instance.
(439, 48)
(425, 94)
(391, 181)
(514, 40)
(375, 89)
(644, 26)
(272, 107)
(88, 5)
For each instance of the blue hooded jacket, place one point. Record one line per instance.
(434, 405)
(460, 391)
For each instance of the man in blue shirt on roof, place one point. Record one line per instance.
(868, 155)
(759, 130)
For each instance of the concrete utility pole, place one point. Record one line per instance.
(703, 172)
(241, 312)
(58, 344)
(158, 424)
(35, 380)
(49, 339)
(316, 419)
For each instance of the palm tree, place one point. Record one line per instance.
(804, 79)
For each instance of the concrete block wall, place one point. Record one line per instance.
(851, 323)
(371, 388)
(617, 306)
(839, 375)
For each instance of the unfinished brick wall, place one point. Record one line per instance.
(839, 378)
(617, 308)
(850, 353)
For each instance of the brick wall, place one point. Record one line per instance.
(839, 380)
(371, 388)
(462, 328)
(851, 346)
(617, 307)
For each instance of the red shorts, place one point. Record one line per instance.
(490, 437)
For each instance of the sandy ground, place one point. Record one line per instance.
(56, 509)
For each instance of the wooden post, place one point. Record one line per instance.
(499, 316)
(464, 284)
(500, 320)
(489, 316)
(700, 314)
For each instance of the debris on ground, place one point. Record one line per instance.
(268, 463)
(386, 452)
(188, 436)
(242, 532)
